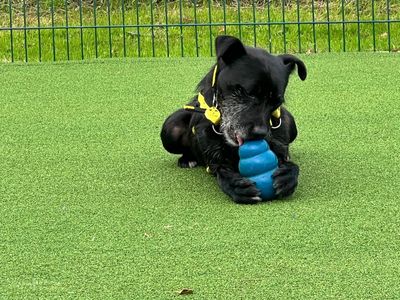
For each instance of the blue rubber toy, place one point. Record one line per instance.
(258, 163)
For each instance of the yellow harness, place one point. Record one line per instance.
(210, 112)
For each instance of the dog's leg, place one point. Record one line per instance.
(286, 176)
(284, 135)
(222, 162)
(287, 173)
(286, 179)
(175, 136)
(240, 189)
(187, 161)
(290, 125)
(174, 132)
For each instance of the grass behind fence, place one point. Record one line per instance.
(63, 32)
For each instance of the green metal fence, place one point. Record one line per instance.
(69, 30)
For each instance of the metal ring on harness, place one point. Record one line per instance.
(279, 125)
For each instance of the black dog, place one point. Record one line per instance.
(246, 87)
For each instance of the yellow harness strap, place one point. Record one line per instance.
(210, 112)
(214, 76)
(202, 101)
(277, 113)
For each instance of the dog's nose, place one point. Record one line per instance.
(259, 132)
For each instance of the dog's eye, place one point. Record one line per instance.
(239, 91)
(256, 94)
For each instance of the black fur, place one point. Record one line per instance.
(250, 85)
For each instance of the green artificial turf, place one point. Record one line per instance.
(91, 206)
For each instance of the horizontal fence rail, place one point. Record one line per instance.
(53, 30)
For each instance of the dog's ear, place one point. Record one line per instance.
(229, 48)
(291, 61)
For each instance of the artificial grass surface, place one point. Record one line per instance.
(93, 207)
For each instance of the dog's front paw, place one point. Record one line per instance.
(285, 179)
(244, 191)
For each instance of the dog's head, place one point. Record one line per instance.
(250, 85)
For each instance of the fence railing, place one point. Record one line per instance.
(69, 30)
